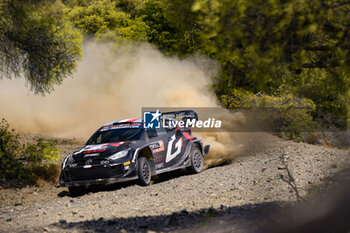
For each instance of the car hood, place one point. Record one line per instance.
(101, 150)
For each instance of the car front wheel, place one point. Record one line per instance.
(144, 171)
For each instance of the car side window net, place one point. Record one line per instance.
(161, 131)
(151, 133)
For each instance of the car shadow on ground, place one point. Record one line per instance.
(225, 219)
(97, 188)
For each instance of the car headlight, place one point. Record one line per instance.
(67, 160)
(118, 155)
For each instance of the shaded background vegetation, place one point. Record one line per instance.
(276, 48)
(33, 163)
(276, 53)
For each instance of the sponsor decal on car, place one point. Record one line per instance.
(92, 155)
(159, 165)
(157, 146)
(159, 159)
(94, 151)
(122, 126)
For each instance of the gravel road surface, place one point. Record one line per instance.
(237, 192)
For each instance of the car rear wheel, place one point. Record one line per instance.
(197, 160)
(144, 171)
(77, 191)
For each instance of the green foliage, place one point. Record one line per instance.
(30, 162)
(289, 50)
(172, 26)
(10, 151)
(38, 42)
(328, 93)
(274, 46)
(257, 40)
(239, 98)
(42, 152)
(154, 21)
(105, 20)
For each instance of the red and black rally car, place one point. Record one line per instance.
(125, 150)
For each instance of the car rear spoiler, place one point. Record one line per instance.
(185, 114)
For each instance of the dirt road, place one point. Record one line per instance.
(178, 202)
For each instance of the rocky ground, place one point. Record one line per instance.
(240, 194)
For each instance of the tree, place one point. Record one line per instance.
(109, 20)
(37, 41)
(273, 46)
(173, 26)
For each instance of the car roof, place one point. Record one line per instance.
(131, 120)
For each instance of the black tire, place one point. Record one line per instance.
(144, 171)
(197, 160)
(77, 191)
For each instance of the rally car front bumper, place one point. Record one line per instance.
(96, 174)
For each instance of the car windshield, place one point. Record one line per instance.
(115, 135)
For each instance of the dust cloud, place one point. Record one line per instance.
(110, 85)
